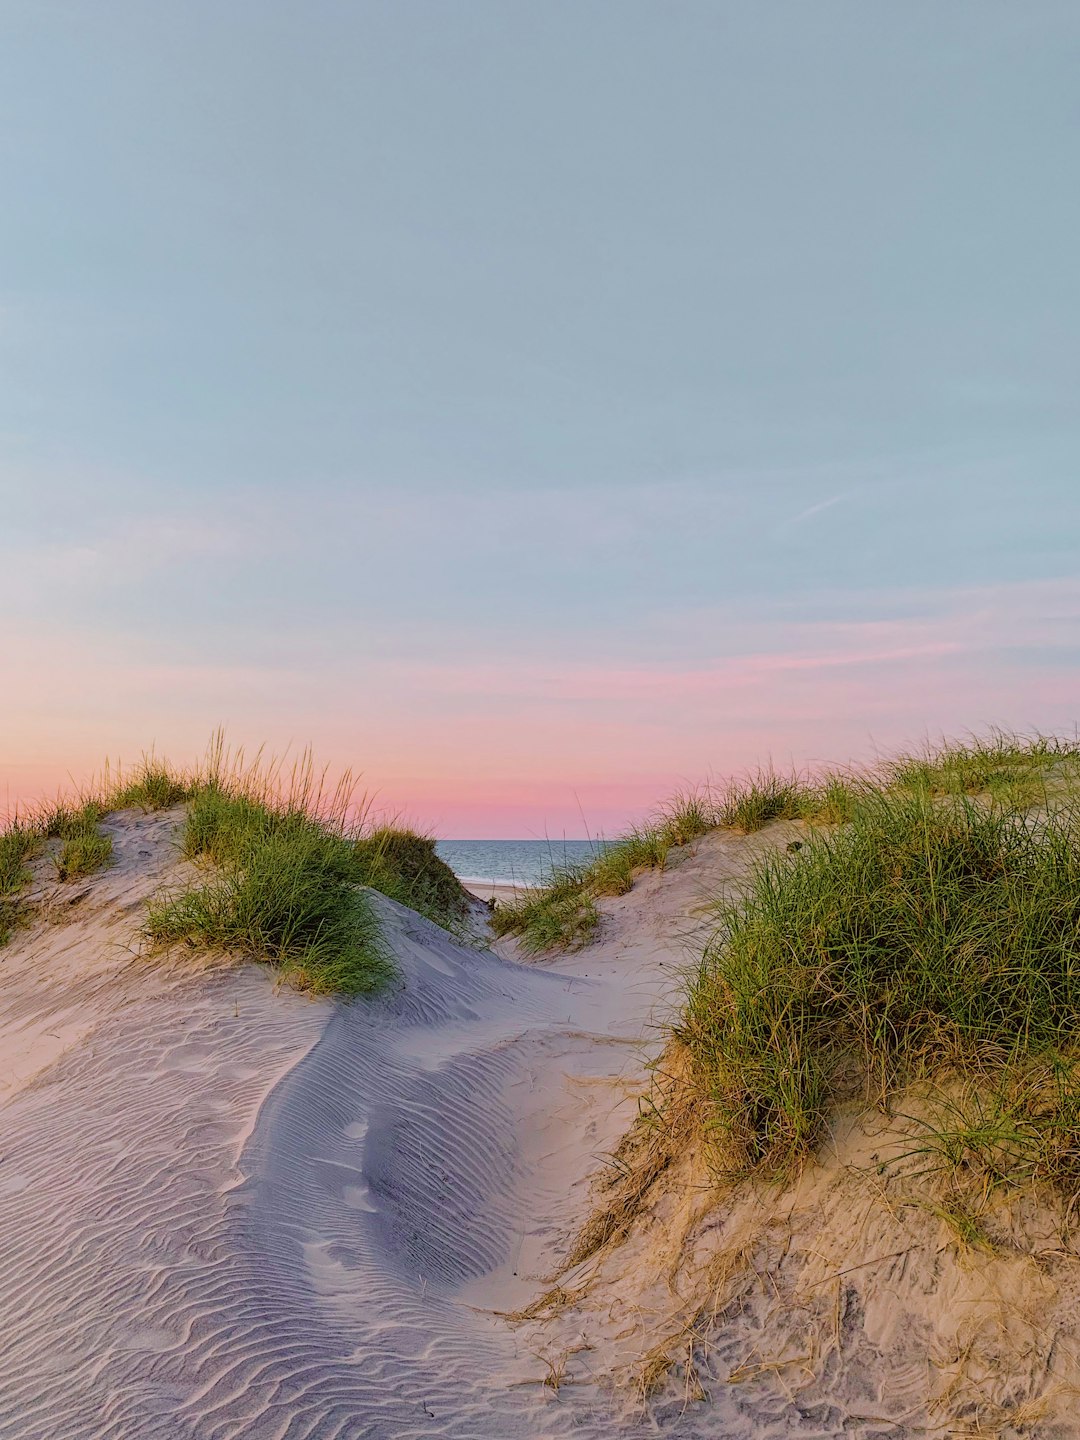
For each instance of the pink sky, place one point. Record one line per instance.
(523, 747)
(532, 458)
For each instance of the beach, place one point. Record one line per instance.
(539, 747)
(488, 891)
(481, 1196)
(436, 1147)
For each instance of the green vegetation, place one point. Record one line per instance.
(750, 804)
(85, 849)
(18, 844)
(283, 860)
(402, 864)
(1011, 1124)
(1015, 771)
(561, 914)
(283, 887)
(154, 786)
(288, 862)
(82, 855)
(990, 764)
(936, 932)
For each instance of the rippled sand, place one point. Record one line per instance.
(227, 1210)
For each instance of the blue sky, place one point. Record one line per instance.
(535, 406)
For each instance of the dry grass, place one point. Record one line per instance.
(667, 1120)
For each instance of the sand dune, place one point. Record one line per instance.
(233, 1211)
(228, 1210)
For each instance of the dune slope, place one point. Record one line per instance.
(231, 1210)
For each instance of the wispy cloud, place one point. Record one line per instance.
(812, 510)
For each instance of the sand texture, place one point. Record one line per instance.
(228, 1210)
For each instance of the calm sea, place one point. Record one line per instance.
(513, 862)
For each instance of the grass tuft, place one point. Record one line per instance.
(834, 799)
(83, 854)
(283, 888)
(931, 930)
(288, 860)
(559, 915)
(1011, 1125)
(993, 763)
(748, 804)
(85, 850)
(285, 857)
(154, 786)
(18, 844)
(681, 820)
(1011, 771)
(404, 865)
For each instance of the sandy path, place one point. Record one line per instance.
(227, 1212)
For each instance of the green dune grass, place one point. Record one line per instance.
(922, 933)
(18, 844)
(932, 939)
(925, 931)
(282, 863)
(1016, 771)
(281, 885)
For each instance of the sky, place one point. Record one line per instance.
(535, 407)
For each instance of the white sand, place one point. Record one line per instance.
(507, 894)
(227, 1211)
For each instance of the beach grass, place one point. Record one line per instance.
(283, 859)
(1012, 1123)
(561, 914)
(18, 844)
(750, 803)
(1016, 769)
(280, 886)
(154, 785)
(1017, 772)
(288, 860)
(84, 849)
(935, 933)
(83, 854)
(403, 864)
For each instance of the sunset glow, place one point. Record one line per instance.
(535, 468)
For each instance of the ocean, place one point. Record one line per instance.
(513, 862)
